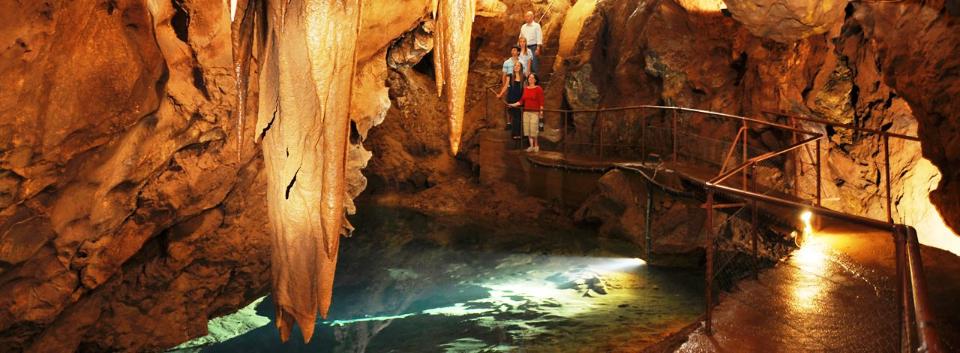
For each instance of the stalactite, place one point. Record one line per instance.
(454, 24)
(307, 70)
(306, 83)
(244, 40)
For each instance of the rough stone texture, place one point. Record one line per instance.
(619, 210)
(407, 153)
(918, 45)
(127, 195)
(662, 53)
(131, 208)
(787, 21)
(130, 214)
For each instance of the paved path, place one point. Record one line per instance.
(836, 294)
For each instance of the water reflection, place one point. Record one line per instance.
(410, 283)
(812, 260)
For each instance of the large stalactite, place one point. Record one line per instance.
(309, 62)
(451, 57)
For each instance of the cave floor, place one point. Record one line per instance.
(835, 294)
(407, 282)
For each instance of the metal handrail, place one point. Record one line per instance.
(912, 287)
(843, 125)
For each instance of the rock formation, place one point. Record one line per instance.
(133, 188)
(306, 88)
(787, 21)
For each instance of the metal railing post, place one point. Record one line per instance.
(818, 171)
(926, 330)
(674, 115)
(796, 160)
(903, 285)
(886, 168)
(647, 221)
(744, 160)
(709, 270)
(754, 228)
(643, 137)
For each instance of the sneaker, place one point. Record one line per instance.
(536, 149)
(530, 149)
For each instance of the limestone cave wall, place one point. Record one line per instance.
(848, 64)
(132, 187)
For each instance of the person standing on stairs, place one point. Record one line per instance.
(531, 31)
(526, 56)
(532, 102)
(513, 83)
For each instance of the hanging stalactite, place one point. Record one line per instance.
(306, 85)
(454, 24)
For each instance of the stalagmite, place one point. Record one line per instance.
(306, 82)
(454, 23)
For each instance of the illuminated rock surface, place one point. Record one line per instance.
(133, 193)
(787, 21)
(451, 56)
(305, 96)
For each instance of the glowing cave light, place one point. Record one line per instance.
(806, 217)
(808, 284)
(617, 264)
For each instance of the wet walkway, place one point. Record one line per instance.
(835, 294)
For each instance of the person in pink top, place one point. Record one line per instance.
(532, 102)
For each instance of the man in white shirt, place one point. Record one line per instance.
(534, 35)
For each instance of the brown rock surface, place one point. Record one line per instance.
(175, 231)
(132, 193)
(787, 21)
(119, 152)
(918, 45)
(676, 226)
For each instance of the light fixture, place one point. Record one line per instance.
(806, 216)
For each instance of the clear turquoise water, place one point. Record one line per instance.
(407, 282)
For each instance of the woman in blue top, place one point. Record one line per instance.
(513, 87)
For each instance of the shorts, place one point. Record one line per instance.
(531, 124)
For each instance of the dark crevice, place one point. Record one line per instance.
(889, 101)
(740, 66)
(425, 66)
(180, 21)
(886, 127)
(831, 131)
(354, 133)
(110, 6)
(806, 91)
(199, 81)
(292, 182)
(854, 96)
(270, 124)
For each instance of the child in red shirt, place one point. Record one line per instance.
(532, 102)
